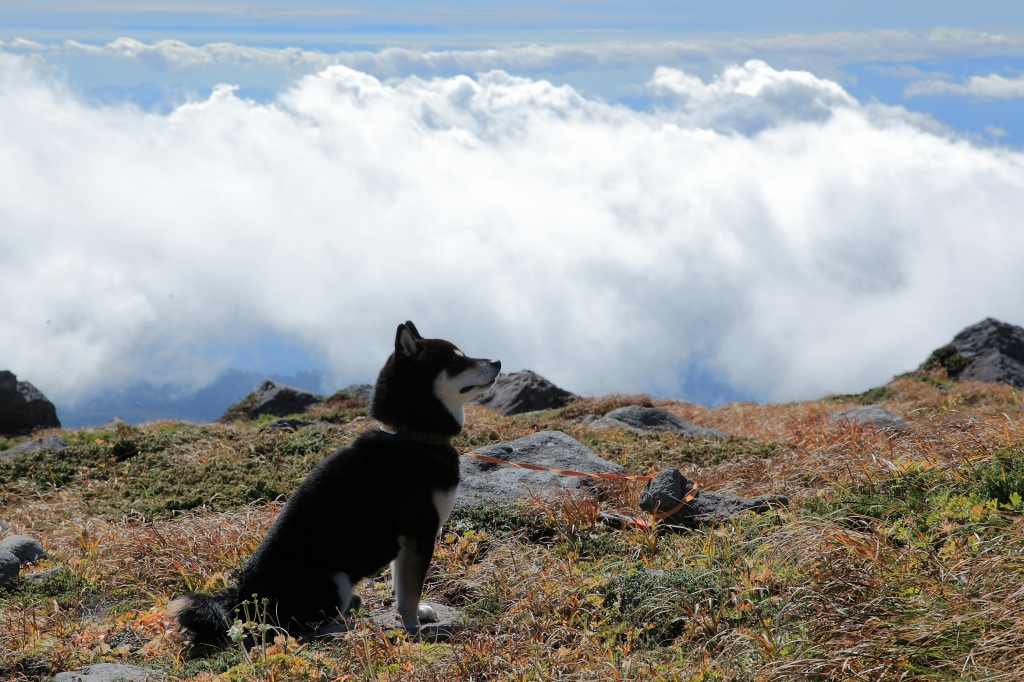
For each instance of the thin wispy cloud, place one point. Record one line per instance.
(761, 221)
(992, 86)
(823, 51)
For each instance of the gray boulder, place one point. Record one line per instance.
(987, 351)
(521, 392)
(23, 407)
(870, 415)
(482, 481)
(667, 489)
(640, 419)
(361, 391)
(280, 400)
(9, 567)
(111, 672)
(25, 548)
(50, 442)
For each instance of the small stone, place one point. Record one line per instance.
(668, 487)
(870, 415)
(25, 548)
(111, 672)
(646, 419)
(10, 566)
(50, 442)
(665, 491)
(449, 621)
(289, 424)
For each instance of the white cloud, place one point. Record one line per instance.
(823, 247)
(992, 86)
(822, 53)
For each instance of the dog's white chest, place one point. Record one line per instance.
(444, 500)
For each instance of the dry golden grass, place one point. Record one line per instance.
(889, 564)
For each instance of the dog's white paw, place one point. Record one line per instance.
(426, 614)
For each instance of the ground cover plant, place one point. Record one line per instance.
(900, 556)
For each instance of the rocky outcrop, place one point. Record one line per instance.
(523, 391)
(361, 391)
(485, 481)
(668, 488)
(272, 398)
(23, 407)
(640, 419)
(987, 351)
(869, 415)
(50, 442)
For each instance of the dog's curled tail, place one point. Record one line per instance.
(205, 616)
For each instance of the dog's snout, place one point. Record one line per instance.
(496, 364)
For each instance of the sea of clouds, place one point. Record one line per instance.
(761, 223)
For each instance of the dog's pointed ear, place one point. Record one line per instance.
(406, 341)
(412, 328)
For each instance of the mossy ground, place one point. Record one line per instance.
(900, 557)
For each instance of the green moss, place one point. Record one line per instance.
(946, 358)
(240, 411)
(149, 475)
(660, 603)
(872, 396)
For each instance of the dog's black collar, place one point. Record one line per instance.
(418, 436)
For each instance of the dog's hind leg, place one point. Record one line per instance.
(347, 601)
(408, 571)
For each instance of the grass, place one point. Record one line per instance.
(900, 556)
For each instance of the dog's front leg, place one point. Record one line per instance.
(408, 571)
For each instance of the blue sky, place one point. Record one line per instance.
(173, 153)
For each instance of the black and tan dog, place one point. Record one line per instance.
(382, 498)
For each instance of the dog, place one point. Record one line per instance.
(382, 498)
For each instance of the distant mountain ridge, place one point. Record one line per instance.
(145, 402)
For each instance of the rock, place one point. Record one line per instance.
(40, 576)
(987, 351)
(50, 442)
(870, 415)
(4, 529)
(110, 672)
(23, 407)
(361, 391)
(666, 490)
(642, 419)
(280, 400)
(25, 548)
(668, 487)
(521, 392)
(289, 424)
(483, 481)
(112, 424)
(273, 398)
(449, 621)
(9, 567)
